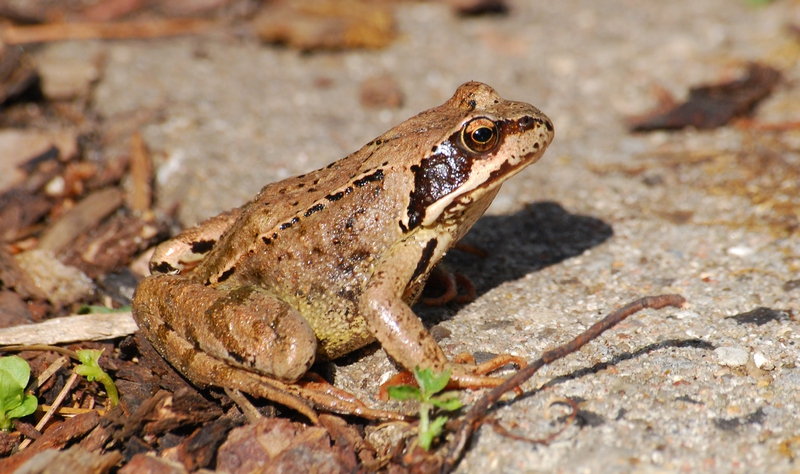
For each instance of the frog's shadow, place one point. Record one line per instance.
(539, 235)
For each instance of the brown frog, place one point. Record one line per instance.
(321, 264)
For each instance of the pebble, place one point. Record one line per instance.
(731, 356)
(741, 251)
(762, 362)
(685, 313)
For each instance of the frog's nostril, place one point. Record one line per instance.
(526, 121)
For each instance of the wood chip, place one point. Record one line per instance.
(56, 436)
(151, 464)
(12, 277)
(112, 244)
(83, 217)
(200, 449)
(13, 310)
(278, 445)
(62, 284)
(17, 72)
(22, 150)
(67, 72)
(70, 461)
(140, 195)
(20, 210)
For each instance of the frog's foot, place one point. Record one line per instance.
(465, 373)
(451, 283)
(329, 398)
(490, 365)
(298, 397)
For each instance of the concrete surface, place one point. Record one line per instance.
(604, 218)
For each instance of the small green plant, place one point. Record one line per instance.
(90, 369)
(14, 375)
(430, 385)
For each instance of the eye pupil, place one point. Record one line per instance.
(482, 135)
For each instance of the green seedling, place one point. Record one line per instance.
(14, 375)
(430, 385)
(90, 369)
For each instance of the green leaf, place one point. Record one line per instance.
(429, 382)
(91, 373)
(90, 369)
(90, 357)
(405, 392)
(17, 369)
(11, 394)
(14, 375)
(27, 407)
(5, 423)
(448, 403)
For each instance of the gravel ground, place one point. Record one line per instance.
(604, 218)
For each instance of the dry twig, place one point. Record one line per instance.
(56, 404)
(15, 34)
(477, 411)
(85, 327)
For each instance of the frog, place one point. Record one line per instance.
(322, 264)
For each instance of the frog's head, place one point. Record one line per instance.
(489, 140)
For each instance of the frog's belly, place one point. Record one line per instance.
(339, 334)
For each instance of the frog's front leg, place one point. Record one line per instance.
(394, 324)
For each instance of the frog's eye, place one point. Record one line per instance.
(479, 135)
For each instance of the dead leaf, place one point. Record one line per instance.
(330, 24)
(714, 105)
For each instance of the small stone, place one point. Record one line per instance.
(685, 313)
(762, 362)
(55, 187)
(741, 251)
(731, 356)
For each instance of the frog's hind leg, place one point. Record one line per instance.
(237, 339)
(204, 370)
(244, 327)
